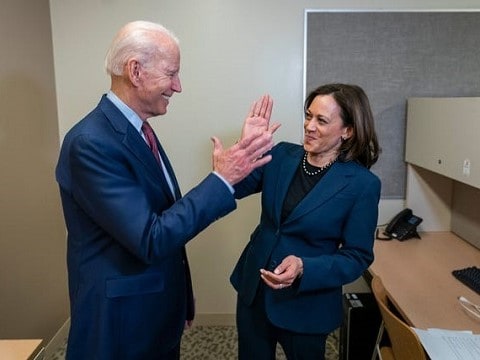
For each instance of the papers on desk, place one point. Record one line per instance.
(443, 344)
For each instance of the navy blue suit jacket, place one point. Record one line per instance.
(331, 229)
(128, 276)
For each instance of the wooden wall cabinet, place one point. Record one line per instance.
(443, 164)
(443, 136)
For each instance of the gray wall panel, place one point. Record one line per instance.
(394, 56)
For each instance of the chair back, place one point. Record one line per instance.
(405, 344)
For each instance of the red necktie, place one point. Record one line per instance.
(152, 143)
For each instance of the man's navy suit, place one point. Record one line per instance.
(128, 274)
(331, 229)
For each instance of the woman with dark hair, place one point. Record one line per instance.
(316, 231)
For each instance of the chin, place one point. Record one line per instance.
(161, 111)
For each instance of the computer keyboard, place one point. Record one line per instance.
(469, 276)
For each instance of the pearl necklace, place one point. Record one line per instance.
(319, 170)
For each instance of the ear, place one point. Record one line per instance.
(347, 133)
(133, 70)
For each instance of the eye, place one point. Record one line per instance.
(308, 116)
(171, 74)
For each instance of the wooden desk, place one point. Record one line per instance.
(417, 275)
(23, 349)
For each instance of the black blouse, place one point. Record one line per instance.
(301, 184)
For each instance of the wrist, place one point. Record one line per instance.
(300, 267)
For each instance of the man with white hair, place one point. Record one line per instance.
(129, 281)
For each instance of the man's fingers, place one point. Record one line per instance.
(217, 144)
(260, 145)
(261, 161)
(255, 139)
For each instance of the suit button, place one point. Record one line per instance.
(272, 265)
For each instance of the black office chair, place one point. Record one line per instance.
(405, 344)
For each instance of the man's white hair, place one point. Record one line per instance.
(135, 39)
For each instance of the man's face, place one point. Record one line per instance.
(158, 82)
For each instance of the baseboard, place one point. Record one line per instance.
(57, 340)
(214, 319)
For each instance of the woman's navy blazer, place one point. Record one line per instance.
(331, 229)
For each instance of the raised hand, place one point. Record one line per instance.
(258, 118)
(236, 162)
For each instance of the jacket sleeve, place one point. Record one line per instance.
(355, 253)
(120, 202)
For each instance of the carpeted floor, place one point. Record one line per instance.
(219, 343)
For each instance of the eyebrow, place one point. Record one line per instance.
(320, 116)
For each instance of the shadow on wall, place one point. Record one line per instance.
(32, 232)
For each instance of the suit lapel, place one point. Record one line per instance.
(170, 171)
(134, 142)
(333, 182)
(286, 173)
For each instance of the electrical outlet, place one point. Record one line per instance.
(466, 167)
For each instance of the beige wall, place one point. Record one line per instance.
(33, 295)
(232, 52)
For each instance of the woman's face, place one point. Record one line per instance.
(323, 127)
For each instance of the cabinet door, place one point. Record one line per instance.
(443, 136)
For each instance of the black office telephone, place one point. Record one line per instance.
(403, 226)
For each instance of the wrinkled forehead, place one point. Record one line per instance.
(166, 53)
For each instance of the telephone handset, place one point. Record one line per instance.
(403, 226)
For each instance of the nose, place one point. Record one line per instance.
(309, 126)
(176, 84)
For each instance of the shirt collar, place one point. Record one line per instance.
(131, 116)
